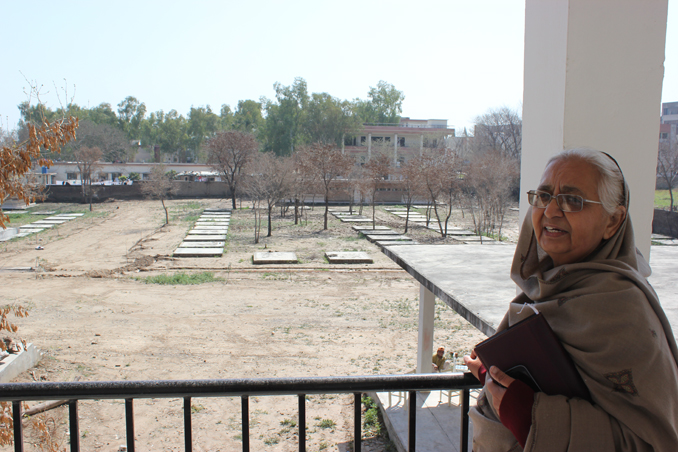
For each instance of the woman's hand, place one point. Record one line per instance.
(473, 363)
(497, 376)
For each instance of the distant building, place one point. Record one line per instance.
(401, 141)
(669, 122)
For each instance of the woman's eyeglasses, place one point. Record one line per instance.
(566, 203)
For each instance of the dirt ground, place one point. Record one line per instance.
(95, 318)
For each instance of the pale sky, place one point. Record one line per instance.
(453, 59)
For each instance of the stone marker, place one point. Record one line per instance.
(274, 257)
(211, 227)
(348, 257)
(38, 224)
(206, 244)
(355, 220)
(360, 227)
(208, 231)
(198, 252)
(379, 232)
(383, 243)
(204, 237)
(399, 238)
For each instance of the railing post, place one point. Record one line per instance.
(129, 418)
(302, 422)
(463, 447)
(357, 422)
(188, 433)
(18, 426)
(412, 423)
(74, 426)
(245, 403)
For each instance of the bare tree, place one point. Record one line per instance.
(500, 130)
(667, 166)
(87, 160)
(440, 181)
(376, 172)
(269, 182)
(159, 186)
(324, 163)
(412, 184)
(490, 178)
(229, 152)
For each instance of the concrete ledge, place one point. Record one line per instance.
(13, 365)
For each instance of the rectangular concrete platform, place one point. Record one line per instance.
(207, 231)
(52, 221)
(355, 220)
(30, 230)
(383, 243)
(217, 209)
(201, 226)
(39, 224)
(348, 257)
(223, 224)
(196, 244)
(44, 212)
(379, 232)
(198, 252)
(204, 237)
(399, 238)
(360, 227)
(274, 257)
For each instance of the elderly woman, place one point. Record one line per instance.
(576, 262)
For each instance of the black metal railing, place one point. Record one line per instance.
(244, 388)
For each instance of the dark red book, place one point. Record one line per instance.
(531, 352)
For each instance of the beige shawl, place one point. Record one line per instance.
(609, 319)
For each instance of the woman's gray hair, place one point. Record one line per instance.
(611, 182)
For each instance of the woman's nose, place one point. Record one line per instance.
(552, 209)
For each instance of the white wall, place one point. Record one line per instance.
(593, 77)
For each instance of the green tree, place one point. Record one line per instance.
(203, 123)
(173, 136)
(285, 118)
(131, 114)
(384, 105)
(328, 119)
(247, 117)
(225, 117)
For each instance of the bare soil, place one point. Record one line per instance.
(96, 318)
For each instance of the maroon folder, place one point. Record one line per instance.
(531, 352)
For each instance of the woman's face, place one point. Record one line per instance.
(570, 237)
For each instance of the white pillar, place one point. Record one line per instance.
(421, 145)
(395, 150)
(427, 308)
(369, 146)
(593, 77)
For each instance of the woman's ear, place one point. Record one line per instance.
(615, 221)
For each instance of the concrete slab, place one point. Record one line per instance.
(44, 212)
(383, 243)
(206, 244)
(355, 220)
(275, 257)
(74, 214)
(204, 237)
(31, 230)
(360, 227)
(217, 209)
(198, 252)
(348, 257)
(474, 238)
(223, 224)
(660, 237)
(379, 232)
(210, 227)
(207, 231)
(15, 364)
(397, 238)
(8, 234)
(39, 224)
(52, 221)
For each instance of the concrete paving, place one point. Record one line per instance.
(198, 252)
(211, 227)
(210, 244)
(44, 212)
(208, 231)
(348, 257)
(383, 243)
(360, 227)
(275, 257)
(40, 224)
(204, 237)
(52, 221)
(379, 232)
(399, 238)
(355, 220)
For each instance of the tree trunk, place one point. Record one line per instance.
(270, 208)
(327, 208)
(162, 200)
